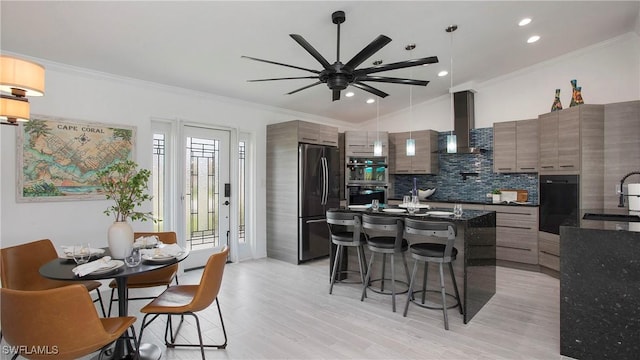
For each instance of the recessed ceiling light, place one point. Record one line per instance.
(370, 101)
(524, 22)
(443, 73)
(349, 94)
(533, 39)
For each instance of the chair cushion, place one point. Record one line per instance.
(386, 242)
(432, 250)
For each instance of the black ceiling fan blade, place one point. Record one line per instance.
(398, 65)
(281, 64)
(336, 95)
(370, 89)
(368, 51)
(285, 78)
(392, 80)
(305, 87)
(311, 50)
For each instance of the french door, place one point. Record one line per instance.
(206, 193)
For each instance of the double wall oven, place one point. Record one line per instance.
(559, 201)
(366, 179)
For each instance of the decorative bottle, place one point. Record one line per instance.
(414, 192)
(576, 94)
(557, 105)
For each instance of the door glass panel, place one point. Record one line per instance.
(158, 177)
(241, 191)
(203, 197)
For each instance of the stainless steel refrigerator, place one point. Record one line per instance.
(319, 190)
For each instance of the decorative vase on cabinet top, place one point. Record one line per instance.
(120, 238)
(557, 105)
(576, 94)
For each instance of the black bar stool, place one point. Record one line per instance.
(393, 244)
(433, 253)
(346, 231)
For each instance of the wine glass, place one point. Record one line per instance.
(457, 210)
(81, 253)
(134, 258)
(406, 200)
(412, 206)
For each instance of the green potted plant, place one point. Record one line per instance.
(495, 194)
(126, 185)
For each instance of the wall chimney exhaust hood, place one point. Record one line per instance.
(464, 121)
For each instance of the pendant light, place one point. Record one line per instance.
(377, 145)
(411, 143)
(18, 79)
(452, 141)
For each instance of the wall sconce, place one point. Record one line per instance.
(19, 78)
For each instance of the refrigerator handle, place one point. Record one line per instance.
(325, 180)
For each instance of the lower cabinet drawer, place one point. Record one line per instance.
(525, 256)
(517, 244)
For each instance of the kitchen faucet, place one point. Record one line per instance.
(621, 204)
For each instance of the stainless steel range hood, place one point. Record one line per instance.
(464, 121)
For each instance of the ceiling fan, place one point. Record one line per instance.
(338, 76)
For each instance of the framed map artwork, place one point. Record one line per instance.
(58, 158)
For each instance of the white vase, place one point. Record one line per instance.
(496, 198)
(120, 237)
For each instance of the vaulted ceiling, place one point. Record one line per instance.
(198, 44)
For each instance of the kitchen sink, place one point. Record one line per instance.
(611, 217)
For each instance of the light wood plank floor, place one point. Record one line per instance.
(275, 310)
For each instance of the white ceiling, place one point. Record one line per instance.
(198, 44)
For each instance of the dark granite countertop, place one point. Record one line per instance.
(422, 213)
(613, 224)
(481, 202)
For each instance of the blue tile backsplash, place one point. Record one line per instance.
(451, 185)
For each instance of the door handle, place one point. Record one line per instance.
(226, 202)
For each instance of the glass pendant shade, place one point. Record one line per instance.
(377, 148)
(452, 144)
(411, 147)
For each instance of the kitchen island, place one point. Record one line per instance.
(600, 288)
(475, 266)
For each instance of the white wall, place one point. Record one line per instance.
(78, 94)
(608, 72)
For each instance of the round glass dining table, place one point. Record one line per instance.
(61, 269)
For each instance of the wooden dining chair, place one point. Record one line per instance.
(20, 269)
(187, 300)
(58, 323)
(161, 277)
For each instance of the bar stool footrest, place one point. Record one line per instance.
(404, 284)
(417, 300)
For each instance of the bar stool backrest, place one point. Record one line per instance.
(350, 220)
(385, 224)
(441, 229)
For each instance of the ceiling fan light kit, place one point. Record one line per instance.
(339, 76)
